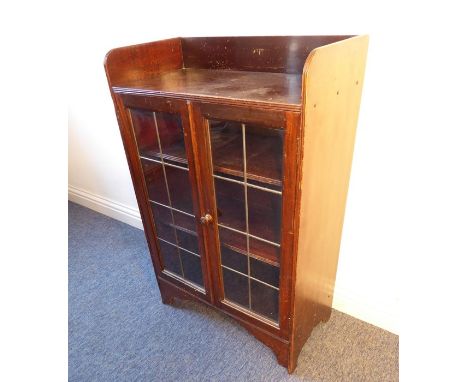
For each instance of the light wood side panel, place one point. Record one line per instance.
(332, 85)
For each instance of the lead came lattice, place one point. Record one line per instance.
(246, 303)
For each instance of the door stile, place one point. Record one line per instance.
(197, 195)
(288, 258)
(206, 187)
(203, 195)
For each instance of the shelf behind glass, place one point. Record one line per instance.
(263, 155)
(237, 242)
(264, 152)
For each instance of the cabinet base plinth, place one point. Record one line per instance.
(279, 346)
(167, 299)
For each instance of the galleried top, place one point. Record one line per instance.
(251, 71)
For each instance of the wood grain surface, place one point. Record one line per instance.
(332, 85)
(276, 54)
(260, 89)
(309, 87)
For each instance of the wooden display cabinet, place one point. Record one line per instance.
(240, 152)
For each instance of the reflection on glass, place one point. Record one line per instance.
(163, 221)
(230, 204)
(264, 250)
(264, 300)
(264, 214)
(161, 145)
(183, 220)
(236, 287)
(226, 147)
(187, 240)
(234, 240)
(180, 189)
(192, 267)
(234, 259)
(159, 136)
(170, 257)
(247, 162)
(264, 272)
(171, 136)
(264, 154)
(155, 183)
(145, 132)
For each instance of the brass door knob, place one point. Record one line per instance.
(206, 219)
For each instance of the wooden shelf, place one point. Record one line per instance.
(267, 256)
(264, 156)
(265, 89)
(267, 170)
(175, 155)
(264, 210)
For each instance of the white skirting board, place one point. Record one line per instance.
(344, 300)
(105, 206)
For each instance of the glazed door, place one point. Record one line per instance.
(161, 132)
(245, 173)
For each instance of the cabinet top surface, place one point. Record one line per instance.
(260, 89)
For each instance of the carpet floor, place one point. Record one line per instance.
(119, 330)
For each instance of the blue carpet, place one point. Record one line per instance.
(119, 330)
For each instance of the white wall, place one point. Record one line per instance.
(367, 280)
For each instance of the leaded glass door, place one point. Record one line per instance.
(164, 149)
(246, 170)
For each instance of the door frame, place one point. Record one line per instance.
(291, 122)
(173, 106)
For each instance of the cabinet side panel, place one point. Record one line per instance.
(332, 85)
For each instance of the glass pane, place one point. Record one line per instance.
(264, 214)
(230, 203)
(171, 136)
(264, 272)
(227, 147)
(145, 132)
(234, 259)
(163, 222)
(160, 137)
(236, 287)
(180, 188)
(192, 267)
(170, 257)
(250, 159)
(184, 221)
(234, 240)
(268, 186)
(155, 183)
(187, 240)
(265, 250)
(264, 154)
(265, 300)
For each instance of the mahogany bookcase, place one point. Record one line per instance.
(240, 152)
